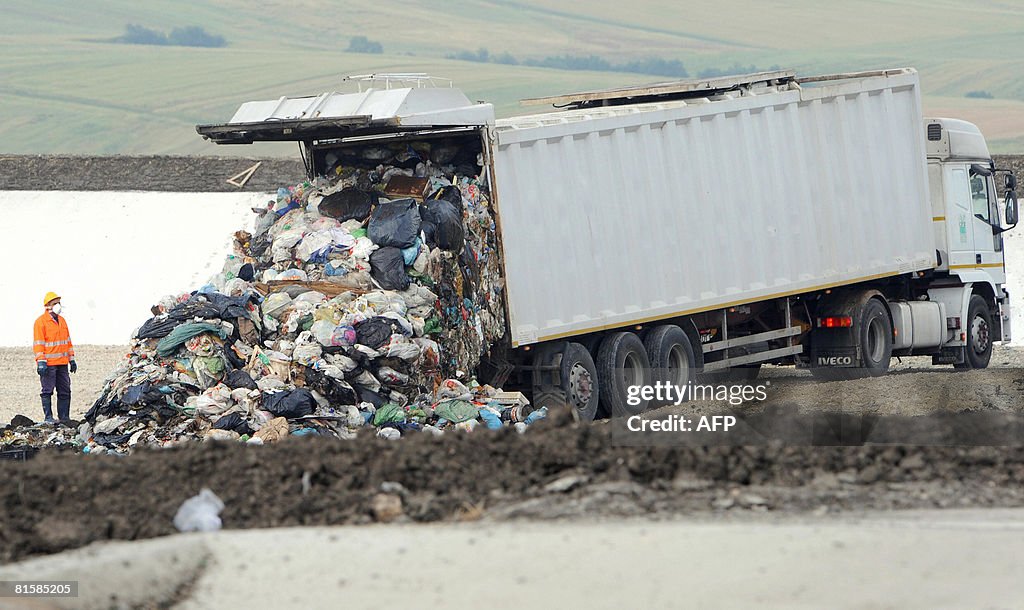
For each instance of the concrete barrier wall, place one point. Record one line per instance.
(110, 255)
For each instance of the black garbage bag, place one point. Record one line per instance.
(442, 221)
(376, 332)
(291, 404)
(239, 379)
(349, 204)
(20, 421)
(234, 422)
(259, 245)
(337, 392)
(396, 223)
(363, 362)
(157, 327)
(387, 267)
(141, 394)
(371, 397)
(197, 306)
(233, 359)
(209, 306)
(228, 307)
(111, 441)
(247, 272)
(449, 193)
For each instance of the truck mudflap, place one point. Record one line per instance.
(949, 355)
(836, 357)
(839, 346)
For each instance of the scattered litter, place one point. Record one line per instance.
(200, 513)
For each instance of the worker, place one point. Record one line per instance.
(55, 356)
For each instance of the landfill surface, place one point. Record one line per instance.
(558, 470)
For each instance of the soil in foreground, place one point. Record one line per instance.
(59, 501)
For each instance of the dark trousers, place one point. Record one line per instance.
(56, 377)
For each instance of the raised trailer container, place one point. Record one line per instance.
(631, 214)
(706, 227)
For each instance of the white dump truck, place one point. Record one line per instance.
(707, 227)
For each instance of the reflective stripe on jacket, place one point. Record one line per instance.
(51, 340)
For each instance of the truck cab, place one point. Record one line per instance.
(969, 218)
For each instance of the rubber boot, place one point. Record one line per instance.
(63, 409)
(48, 408)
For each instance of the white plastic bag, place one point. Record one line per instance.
(312, 244)
(200, 513)
(307, 354)
(275, 304)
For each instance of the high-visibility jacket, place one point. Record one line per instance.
(52, 341)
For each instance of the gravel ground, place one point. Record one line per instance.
(914, 388)
(19, 388)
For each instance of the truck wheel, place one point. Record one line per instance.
(575, 385)
(978, 351)
(671, 355)
(579, 381)
(622, 363)
(875, 338)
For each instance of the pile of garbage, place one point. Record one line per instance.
(361, 300)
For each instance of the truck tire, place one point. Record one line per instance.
(575, 385)
(579, 381)
(978, 350)
(875, 330)
(671, 355)
(621, 363)
(875, 338)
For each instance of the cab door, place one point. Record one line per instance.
(988, 244)
(959, 218)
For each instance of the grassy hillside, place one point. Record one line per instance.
(62, 89)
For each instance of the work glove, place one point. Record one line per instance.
(41, 367)
(73, 366)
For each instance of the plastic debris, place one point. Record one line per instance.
(200, 513)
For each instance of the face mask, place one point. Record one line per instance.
(57, 309)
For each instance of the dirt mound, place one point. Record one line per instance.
(61, 501)
(145, 173)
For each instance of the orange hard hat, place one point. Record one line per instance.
(50, 296)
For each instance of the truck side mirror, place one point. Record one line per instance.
(1011, 211)
(1010, 182)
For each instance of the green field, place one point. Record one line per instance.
(64, 90)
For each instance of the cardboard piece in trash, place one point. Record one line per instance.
(510, 399)
(406, 186)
